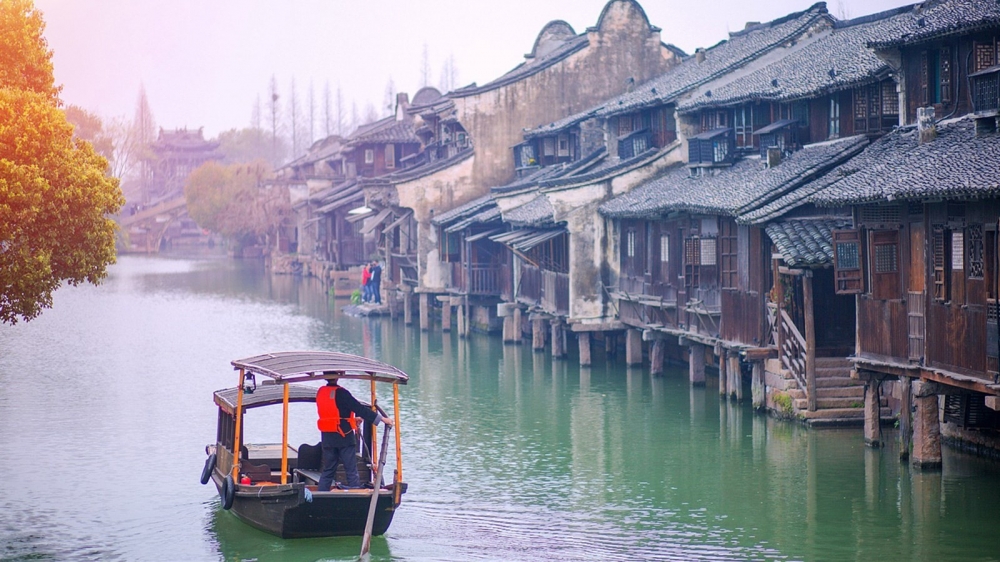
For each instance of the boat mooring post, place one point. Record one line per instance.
(239, 423)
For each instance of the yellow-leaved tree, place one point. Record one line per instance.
(55, 195)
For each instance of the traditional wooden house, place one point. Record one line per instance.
(477, 125)
(689, 269)
(629, 139)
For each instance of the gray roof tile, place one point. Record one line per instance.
(939, 18)
(806, 242)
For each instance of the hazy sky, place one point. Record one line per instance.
(204, 62)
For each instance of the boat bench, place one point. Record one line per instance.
(311, 476)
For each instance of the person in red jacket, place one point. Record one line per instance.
(366, 288)
(338, 420)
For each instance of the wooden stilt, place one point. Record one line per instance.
(723, 375)
(425, 312)
(656, 357)
(633, 347)
(446, 315)
(872, 415)
(584, 341)
(905, 417)
(407, 308)
(757, 389)
(696, 364)
(558, 339)
(538, 334)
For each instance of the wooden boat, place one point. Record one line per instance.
(272, 486)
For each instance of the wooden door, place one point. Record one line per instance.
(916, 295)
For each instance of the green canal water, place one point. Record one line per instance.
(105, 409)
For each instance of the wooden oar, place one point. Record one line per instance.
(367, 540)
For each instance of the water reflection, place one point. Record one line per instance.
(510, 454)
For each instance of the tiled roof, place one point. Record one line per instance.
(417, 172)
(388, 130)
(605, 168)
(551, 172)
(741, 48)
(834, 61)
(488, 214)
(805, 242)
(462, 211)
(537, 212)
(957, 164)
(746, 185)
(939, 18)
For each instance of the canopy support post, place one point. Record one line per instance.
(239, 423)
(284, 434)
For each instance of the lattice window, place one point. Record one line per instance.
(975, 249)
(692, 252)
(707, 251)
(925, 97)
(630, 245)
(833, 127)
(639, 145)
(886, 258)
(880, 215)
(728, 256)
(720, 149)
(984, 56)
(390, 156)
(624, 125)
(664, 248)
(890, 98)
(847, 262)
(528, 155)
(939, 260)
(860, 103)
(945, 75)
(957, 250)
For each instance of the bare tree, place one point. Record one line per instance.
(341, 118)
(389, 103)
(143, 134)
(355, 116)
(449, 75)
(312, 114)
(255, 114)
(371, 114)
(274, 113)
(294, 120)
(326, 109)
(425, 68)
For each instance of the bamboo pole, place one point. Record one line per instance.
(239, 423)
(374, 433)
(284, 434)
(399, 449)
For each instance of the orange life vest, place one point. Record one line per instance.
(329, 414)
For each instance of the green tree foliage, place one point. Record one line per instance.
(234, 201)
(55, 196)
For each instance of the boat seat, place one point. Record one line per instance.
(312, 476)
(256, 472)
(310, 456)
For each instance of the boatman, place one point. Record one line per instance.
(338, 420)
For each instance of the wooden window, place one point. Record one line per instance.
(563, 145)
(728, 255)
(990, 263)
(984, 56)
(664, 248)
(548, 146)
(390, 156)
(743, 124)
(940, 247)
(974, 245)
(833, 126)
(890, 98)
(624, 125)
(944, 71)
(885, 278)
(369, 156)
(692, 262)
(630, 244)
(528, 155)
(707, 252)
(847, 262)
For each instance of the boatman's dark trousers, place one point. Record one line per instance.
(337, 449)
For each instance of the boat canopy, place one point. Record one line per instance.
(264, 395)
(298, 366)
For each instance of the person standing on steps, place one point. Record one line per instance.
(366, 277)
(376, 282)
(338, 420)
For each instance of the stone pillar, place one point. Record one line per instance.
(926, 429)
(758, 392)
(633, 347)
(446, 314)
(558, 339)
(656, 357)
(391, 298)
(584, 339)
(407, 308)
(425, 312)
(538, 334)
(463, 321)
(696, 364)
(735, 377)
(723, 375)
(516, 319)
(508, 329)
(872, 415)
(905, 417)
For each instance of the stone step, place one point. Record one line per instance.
(841, 413)
(832, 372)
(823, 362)
(852, 392)
(824, 403)
(842, 382)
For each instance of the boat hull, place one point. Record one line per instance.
(285, 512)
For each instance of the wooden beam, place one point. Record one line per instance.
(807, 298)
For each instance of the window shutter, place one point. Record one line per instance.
(939, 260)
(924, 89)
(847, 262)
(945, 75)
